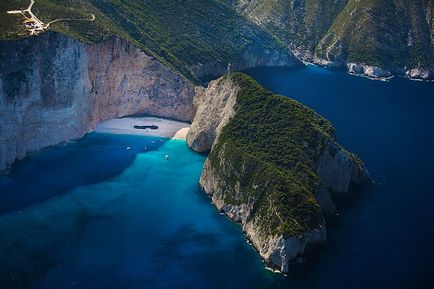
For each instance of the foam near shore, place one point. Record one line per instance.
(166, 127)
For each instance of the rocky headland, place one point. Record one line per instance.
(273, 163)
(54, 88)
(273, 166)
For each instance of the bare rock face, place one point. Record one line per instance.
(369, 71)
(254, 56)
(277, 251)
(338, 170)
(54, 88)
(211, 117)
(376, 72)
(282, 251)
(355, 68)
(420, 73)
(225, 175)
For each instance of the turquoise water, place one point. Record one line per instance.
(150, 226)
(91, 214)
(56, 170)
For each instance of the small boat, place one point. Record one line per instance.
(146, 126)
(128, 148)
(166, 157)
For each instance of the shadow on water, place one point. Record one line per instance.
(55, 170)
(36, 241)
(140, 221)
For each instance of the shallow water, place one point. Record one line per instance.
(148, 227)
(55, 170)
(92, 214)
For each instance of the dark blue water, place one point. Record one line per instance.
(56, 170)
(93, 215)
(384, 237)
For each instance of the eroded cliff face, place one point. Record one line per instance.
(238, 182)
(253, 56)
(338, 171)
(277, 250)
(54, 88)
(212, 117)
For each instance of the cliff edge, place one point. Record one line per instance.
(54, 88)
(272, 165)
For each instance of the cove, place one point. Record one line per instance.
(135, 220)
(150, 226)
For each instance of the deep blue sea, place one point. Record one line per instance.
(92, 214)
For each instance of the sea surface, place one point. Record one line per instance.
(94, 214)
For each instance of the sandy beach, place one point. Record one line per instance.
(166, 127)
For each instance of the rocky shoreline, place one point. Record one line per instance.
(364, 70)
(221, 178)
(54, 88)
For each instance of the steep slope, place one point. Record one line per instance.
(388, 34)
(197, 38)
(272, 165)
(375, 37)
(54, 88)
(301, 24)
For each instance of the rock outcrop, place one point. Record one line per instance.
(369, 71)
(212, 116)
(338, 171)
(254, 56)
(420, 73)
(54, 88)
(280, 206)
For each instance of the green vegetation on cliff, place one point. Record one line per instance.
(383, 33)
(301, 24)
(271, 146)
(181, 34)
(391, 34)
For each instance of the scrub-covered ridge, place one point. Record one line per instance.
(272, 166)
(375, 37)
(195, 37)
(273, 163)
